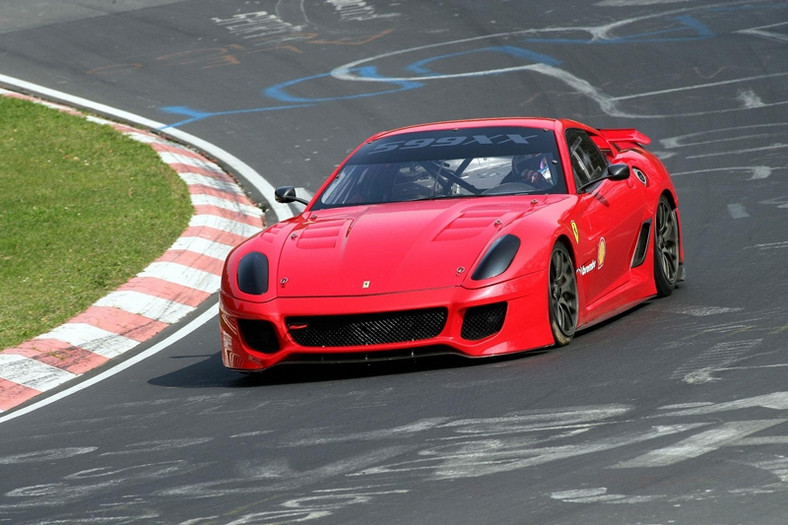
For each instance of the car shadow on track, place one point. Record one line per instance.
(211, 373)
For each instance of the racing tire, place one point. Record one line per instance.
(666, 248)
(562, 296)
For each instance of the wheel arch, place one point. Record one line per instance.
(571, 246)
(564, 239)
(671, 198)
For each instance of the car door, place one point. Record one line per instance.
(608, 220)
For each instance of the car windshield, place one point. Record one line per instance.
(448, 164)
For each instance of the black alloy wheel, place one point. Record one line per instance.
(562, 300)
(666, 248)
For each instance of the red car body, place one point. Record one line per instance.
(450, 257)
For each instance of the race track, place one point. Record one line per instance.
(676, 412)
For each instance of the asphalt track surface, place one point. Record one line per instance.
(676, 412)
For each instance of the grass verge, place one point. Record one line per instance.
(82, 209)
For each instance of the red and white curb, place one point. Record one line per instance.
(165, 292)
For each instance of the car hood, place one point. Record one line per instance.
(387, 248)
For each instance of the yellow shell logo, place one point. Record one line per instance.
(601, 252)
(574, 231)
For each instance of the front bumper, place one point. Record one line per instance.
(256, 336)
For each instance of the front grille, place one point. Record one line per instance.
(483, 321)
(259, 335)
(367, 329)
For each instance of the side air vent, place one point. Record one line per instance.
(641, 176)
(483, 321)
(641, 249)
(259, 335)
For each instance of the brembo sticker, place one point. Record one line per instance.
(582, 270)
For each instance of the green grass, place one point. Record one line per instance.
(82, 209)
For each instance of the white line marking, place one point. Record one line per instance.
(737, 211)
(700, 369)
(772, 245)
(750, 99)
(608, 103)
(211, 182)
(183, 275)
(757, 172)
(727, 434)
(49, 455)
(780, 202)
(225, 204)
(89, 337)
(228, 225)
(121, 366)
(770, 35)
(203, 247)
(145, 138)
(701, 311)
(31, 373)
(760, 172)
(700, 86)
(180, 158)
(738, 151)
(754, 367)
(146, 305)
(773, 401)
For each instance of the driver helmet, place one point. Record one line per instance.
(534, 169)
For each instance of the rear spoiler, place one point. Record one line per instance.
(623, 138)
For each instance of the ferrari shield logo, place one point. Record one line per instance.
(574, 231)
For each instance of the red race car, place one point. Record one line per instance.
(478, 238)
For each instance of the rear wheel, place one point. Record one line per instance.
(562, 300)
(666, 248)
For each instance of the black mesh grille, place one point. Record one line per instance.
(367, 329)
(483, 321)
(259, 335)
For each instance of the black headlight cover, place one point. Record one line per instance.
(253, 273)
(498, 258)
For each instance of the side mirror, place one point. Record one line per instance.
(618, 172)
(287, 194)
(614, 172)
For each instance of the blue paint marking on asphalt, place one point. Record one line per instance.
(278, 92)
(517, 52)
(196, 115)
(689, 29)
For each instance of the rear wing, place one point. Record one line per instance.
(625, 138)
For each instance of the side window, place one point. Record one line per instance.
(588, 163)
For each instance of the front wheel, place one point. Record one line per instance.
(666, 248)
(562, 299)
